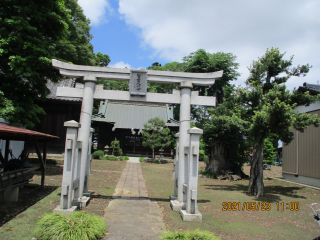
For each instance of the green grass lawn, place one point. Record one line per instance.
(212, 193)
(234, 224)
(22, 223)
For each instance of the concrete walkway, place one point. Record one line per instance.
(131, 215)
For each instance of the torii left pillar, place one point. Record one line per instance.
(84, 136)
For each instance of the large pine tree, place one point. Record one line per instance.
(269, 107)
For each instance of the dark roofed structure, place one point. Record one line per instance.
(58, 110)
(128, 115)
(124, 121)
(116, 119)
(15, 133)
(313, 89)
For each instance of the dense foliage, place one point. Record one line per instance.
(269, 152)
(225, 133)
(32, 33)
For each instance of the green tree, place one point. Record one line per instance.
(116, 150)
(155, 134)
(269, 151)
(269, 107)
(221, 124)
(202, 62)
(33, 33)
(224, 133)
(102, 60)
(155, 64)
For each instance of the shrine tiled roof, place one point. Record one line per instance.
(134, 115)
(313, 89)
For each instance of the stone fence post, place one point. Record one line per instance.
(68, 180)
(191, 187)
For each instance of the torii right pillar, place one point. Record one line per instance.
(184, 137)
(186, 166)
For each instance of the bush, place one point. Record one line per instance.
(123, 158)
(156, 161)
(78, 225)
(98, 154)
(189, 235)
(141, 159)
(112, 158)
(116, 148)
(104, 157)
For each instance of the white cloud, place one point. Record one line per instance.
(120, 65)
(95, 10)
(246, 28)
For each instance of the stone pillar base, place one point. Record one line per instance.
(175, 205)
(10, 195)
(88, 194)
(81, 202)
(58, 209)
(172, 197)
(188, 217)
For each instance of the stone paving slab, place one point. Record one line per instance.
(133, 219)
(131, 183)
(131, 215)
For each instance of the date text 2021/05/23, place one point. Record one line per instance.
(259, 206)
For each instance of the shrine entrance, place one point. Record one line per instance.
(77, 153)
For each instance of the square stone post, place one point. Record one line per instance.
(76, 177)
(90, 146)
(174, 203)
(191, 187)
(84, 133)
(185, 97)
(88, 168)
(68, 168)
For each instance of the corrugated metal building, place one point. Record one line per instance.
(301, 158)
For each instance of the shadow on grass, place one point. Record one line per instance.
(51, 171)
(271, 193)
(28, 196)
(99, 196)
(168, 200)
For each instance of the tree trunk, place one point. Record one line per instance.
(256, 172)
(153, 153)
(217, 163)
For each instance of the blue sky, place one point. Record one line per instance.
(137, 33)
(120, 41)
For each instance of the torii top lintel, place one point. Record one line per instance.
(73, 70)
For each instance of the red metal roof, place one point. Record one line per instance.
(15, 133)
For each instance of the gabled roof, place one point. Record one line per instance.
(15, 133)
(312, 88)
(133, 115)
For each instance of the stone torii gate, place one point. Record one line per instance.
(183, 193)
